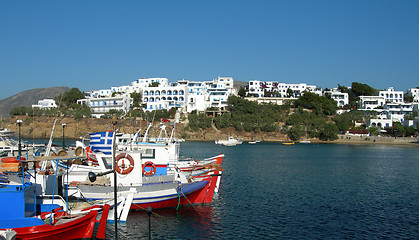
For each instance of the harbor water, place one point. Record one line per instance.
(302, 191)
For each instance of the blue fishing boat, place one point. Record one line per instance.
(26, 214)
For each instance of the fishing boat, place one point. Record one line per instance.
(164, 153)
(152, 184)
(27, 214)
(231, 141)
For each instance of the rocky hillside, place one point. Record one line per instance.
(40, 127)
(28, 98)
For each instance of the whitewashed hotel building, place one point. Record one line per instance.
(189, 95)
(257, 89)
(371, 102)
(165, 97)
(391, 96)
(102, 105)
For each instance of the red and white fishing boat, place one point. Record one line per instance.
(153, 184)
(28, 214)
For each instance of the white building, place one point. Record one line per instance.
(414, 92)
(392, 112)
(141, 83)
(136, 86)
(381, 123)
(371, 102)
(189, 95)
(166, 97)
(100, 106)
(100, 93)
(258, 88)
(195, 95)
(45, 104)
(342, 99)
(217, 92)
(121, 89)
(397, 111)
(391, 96)
(267, 100)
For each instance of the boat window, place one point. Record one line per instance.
(107, 162)
(149, 153)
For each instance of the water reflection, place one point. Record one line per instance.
(191, 222)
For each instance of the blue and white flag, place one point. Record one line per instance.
(101, 142)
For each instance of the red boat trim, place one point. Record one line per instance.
(78, 228)
(101, 231)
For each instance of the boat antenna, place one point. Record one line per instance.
(48, 150)
(172, 134)
(146, 132)
(148, 128)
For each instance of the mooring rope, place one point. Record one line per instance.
(146, 209)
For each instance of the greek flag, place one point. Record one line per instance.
(101, 142)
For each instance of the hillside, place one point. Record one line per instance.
(40, 128)
(27, 98)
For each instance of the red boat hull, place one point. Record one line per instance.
(79, 228)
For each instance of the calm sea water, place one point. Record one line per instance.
(303, 191)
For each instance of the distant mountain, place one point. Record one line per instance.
(238, 84)
(28, 98)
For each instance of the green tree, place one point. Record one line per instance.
(137, 99)
(197, 121)
(398, 129)
(329, 132)
(343, 89)
(410, 131)
(411, 116)
(116, 93)
(20, 111)
(154, 84)
(296, 132)
(82, 112)
(408, 98)
(249, 115)
(360, 89)
(319, 104)
(156, 115)
(374, 131)
(290, 93)
(113, 112)
(69, 99)
(344, 121)
(242, 92)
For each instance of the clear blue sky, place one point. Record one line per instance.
(98, 44)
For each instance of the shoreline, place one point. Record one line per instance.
(353, 141)
(40, 128)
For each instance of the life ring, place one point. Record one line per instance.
(121, 166)
(152, 170)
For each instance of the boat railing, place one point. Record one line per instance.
(55, 199)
